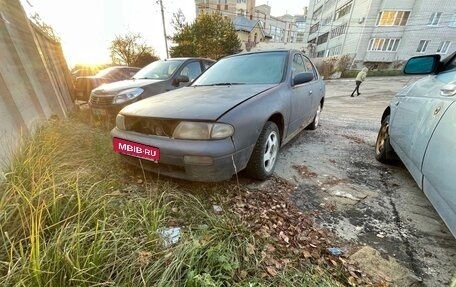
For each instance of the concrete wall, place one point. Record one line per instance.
(34, 77)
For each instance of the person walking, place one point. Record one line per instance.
(359, 79)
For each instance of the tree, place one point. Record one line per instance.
(130, 50)
(210, 35)
(45, 28)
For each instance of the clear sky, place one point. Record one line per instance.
(87, 27)
(281, 7)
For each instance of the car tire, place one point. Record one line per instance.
(384, 152)
(264, 156)
(316, 120)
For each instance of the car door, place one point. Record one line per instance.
(439, 168)
(301, 97)
(414, 118)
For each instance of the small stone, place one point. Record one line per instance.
(217, 208)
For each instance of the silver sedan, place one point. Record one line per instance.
(234, 117)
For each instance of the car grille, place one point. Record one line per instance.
(101, 99)
(151, 126)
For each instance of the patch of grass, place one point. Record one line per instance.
(70, 218)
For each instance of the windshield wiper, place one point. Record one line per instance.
(226, 84)
(218, 84)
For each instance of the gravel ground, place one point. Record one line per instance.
(361, 200)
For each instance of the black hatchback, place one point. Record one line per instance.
(156, 78)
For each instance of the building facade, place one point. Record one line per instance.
(255, 24)
(381, 31)
(228, 8)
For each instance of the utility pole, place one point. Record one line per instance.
(164, 28)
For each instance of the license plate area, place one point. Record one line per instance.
(136, 149)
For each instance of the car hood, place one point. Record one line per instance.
(195, 102)
(125, 84)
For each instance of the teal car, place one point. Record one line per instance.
(419, 127)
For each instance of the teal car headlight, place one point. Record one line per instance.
(202, 131)
(127, 95)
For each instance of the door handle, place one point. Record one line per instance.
(396, 103)
(310, 92)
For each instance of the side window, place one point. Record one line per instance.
(298, 65)
(132, 72)
(310, 67)
(451, 65)
(207, 64)
(191, 70)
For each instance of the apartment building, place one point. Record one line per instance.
(228, 8)
(255, 24)
(381, 31)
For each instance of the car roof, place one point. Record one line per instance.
(122, 67)
(258, 51)
(188, 58)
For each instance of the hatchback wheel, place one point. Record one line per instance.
(383, 150)
(263, 160)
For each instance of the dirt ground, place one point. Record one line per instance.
(365, 202)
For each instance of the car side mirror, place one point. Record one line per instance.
(180, 79)
(302, 78)
(422, 65)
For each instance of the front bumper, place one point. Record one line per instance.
(205, 161)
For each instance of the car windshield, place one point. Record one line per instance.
(105, 72)
(160, 70)
(257, 68)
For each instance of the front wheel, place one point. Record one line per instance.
(263, 159)
(383, 150)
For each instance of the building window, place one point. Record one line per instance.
(453, 21)
(443, 47)
(339, 30)
(314, 28)
(322, 38)
(317, 13)
(435, 19)
(320, 54)
(383, 44)
(422, 46)
(393, 18)
(342, 11)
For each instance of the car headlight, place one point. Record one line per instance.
(127, 95)
(120, 122)
(202, 131)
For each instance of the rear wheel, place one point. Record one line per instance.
(383, 150)
(263, 160)
(316, 121)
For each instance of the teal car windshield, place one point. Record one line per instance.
(258, 68)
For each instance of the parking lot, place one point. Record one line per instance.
(334, 171)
